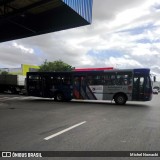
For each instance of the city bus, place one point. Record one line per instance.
(120, 85)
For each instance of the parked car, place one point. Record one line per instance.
(156, 87)
(155, 91)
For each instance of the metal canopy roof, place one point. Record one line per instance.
(24, 18)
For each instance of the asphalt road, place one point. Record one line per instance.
(78, 126)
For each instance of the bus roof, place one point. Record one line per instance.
(95, 70)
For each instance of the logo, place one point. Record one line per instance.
(93, 89)
(6, 154)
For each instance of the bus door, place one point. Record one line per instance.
(47, 85)
(138, 87)
(44, 87)
(34, 85)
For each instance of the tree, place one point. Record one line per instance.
(55, 66)
(4, 73)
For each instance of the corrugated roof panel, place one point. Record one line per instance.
(82, 7)
(46, 6)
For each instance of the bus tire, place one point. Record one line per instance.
(59, 97)
(120, 99)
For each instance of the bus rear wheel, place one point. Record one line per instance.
(59, 97)
(120, 99)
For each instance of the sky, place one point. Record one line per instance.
(123, 34)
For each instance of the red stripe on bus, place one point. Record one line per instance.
(93, 69)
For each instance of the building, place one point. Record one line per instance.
(21, 71)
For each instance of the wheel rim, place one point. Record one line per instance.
(120, 99)
(59, 97)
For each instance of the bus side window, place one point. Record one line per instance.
(109, 79)
(124, 79)
(67, 80)
(34, 81)
(120, 80)
(129, 80)
(95, 80)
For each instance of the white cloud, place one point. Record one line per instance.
(125, 63)
(128, 16)
(22, 48)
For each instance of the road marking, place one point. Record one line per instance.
(4, 98)
(8, 98)
(65, 130)
(13, 97)
(19, 98)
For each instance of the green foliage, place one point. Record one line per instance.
(55, 66)
(4, 73)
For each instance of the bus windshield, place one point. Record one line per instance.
(142, 88)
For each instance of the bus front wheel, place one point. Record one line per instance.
(120, 99)
(59, 97)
